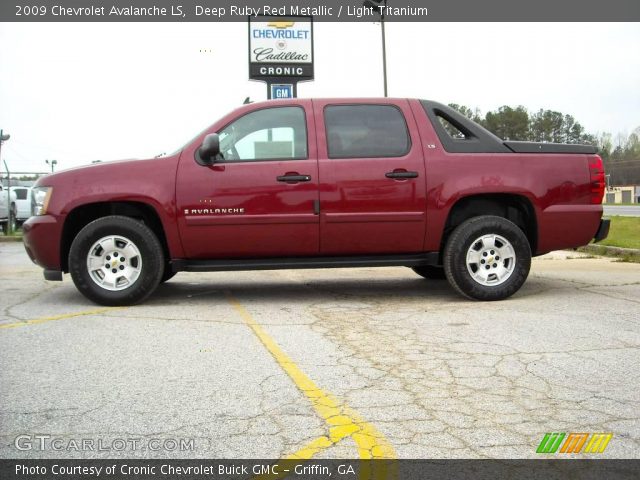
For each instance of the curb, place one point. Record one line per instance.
(11, 238)
(609, 251)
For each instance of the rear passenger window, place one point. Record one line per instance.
(364, 131)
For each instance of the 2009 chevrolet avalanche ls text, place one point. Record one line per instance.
(321, 183)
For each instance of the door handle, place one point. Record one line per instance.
(401, 174)
(293, 178)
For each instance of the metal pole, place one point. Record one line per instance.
(384, 50)
(9, 226)
(375, 6)
(2, 139)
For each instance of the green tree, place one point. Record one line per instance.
(467, 112)
(604, 143)
(547, 126)
(509, 123)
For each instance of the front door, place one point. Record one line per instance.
(372, 178)
(259, 198)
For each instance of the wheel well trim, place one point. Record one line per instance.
(147, 207)
(524, 198)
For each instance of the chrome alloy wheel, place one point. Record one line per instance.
(114, 263)
(491, 260)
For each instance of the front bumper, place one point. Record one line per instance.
(41, 238)
(603, 230)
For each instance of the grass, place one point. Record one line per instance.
(15, 235)
(626, 256)
(629, 258)
(11, 238)
(624, 233)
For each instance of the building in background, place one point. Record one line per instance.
(622, 194)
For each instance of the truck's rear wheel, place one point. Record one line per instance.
(116, 260)
(487, 258)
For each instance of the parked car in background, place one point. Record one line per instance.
(6, 214)
(21, 204)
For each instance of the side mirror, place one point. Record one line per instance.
(209, 149)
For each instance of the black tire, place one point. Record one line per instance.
(430, 272)
(151, 255)
(459, 244)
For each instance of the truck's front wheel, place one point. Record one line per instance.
(116, 260)
(487, 258)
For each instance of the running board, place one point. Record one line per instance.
(411, 260)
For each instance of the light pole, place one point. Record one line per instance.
(53, 163)
(3, 138)
(380, 6)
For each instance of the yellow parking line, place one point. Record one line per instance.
(60, 317)
(311, 449)
(343, 422)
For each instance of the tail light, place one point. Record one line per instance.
(596, 173)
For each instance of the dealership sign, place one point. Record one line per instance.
(280, 49)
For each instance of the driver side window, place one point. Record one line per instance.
(278, 133)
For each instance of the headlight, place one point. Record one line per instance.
(41, 197)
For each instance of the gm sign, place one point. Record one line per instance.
(281, 91)
(280, 48)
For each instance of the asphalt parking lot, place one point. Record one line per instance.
(324, 363)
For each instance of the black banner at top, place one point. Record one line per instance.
(321, 10)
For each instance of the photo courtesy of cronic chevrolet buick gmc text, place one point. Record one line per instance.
(306, 183)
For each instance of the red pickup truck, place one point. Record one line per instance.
(307, 183)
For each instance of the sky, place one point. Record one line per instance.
(78, 92)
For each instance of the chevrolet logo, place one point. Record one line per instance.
(281, 24)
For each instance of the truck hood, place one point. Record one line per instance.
(94, 172)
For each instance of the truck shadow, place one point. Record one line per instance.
(180, 290)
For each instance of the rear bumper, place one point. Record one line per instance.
(603, 230)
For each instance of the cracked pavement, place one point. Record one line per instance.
(436, 375)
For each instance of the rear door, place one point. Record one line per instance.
(372, 178)
(259, 198)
